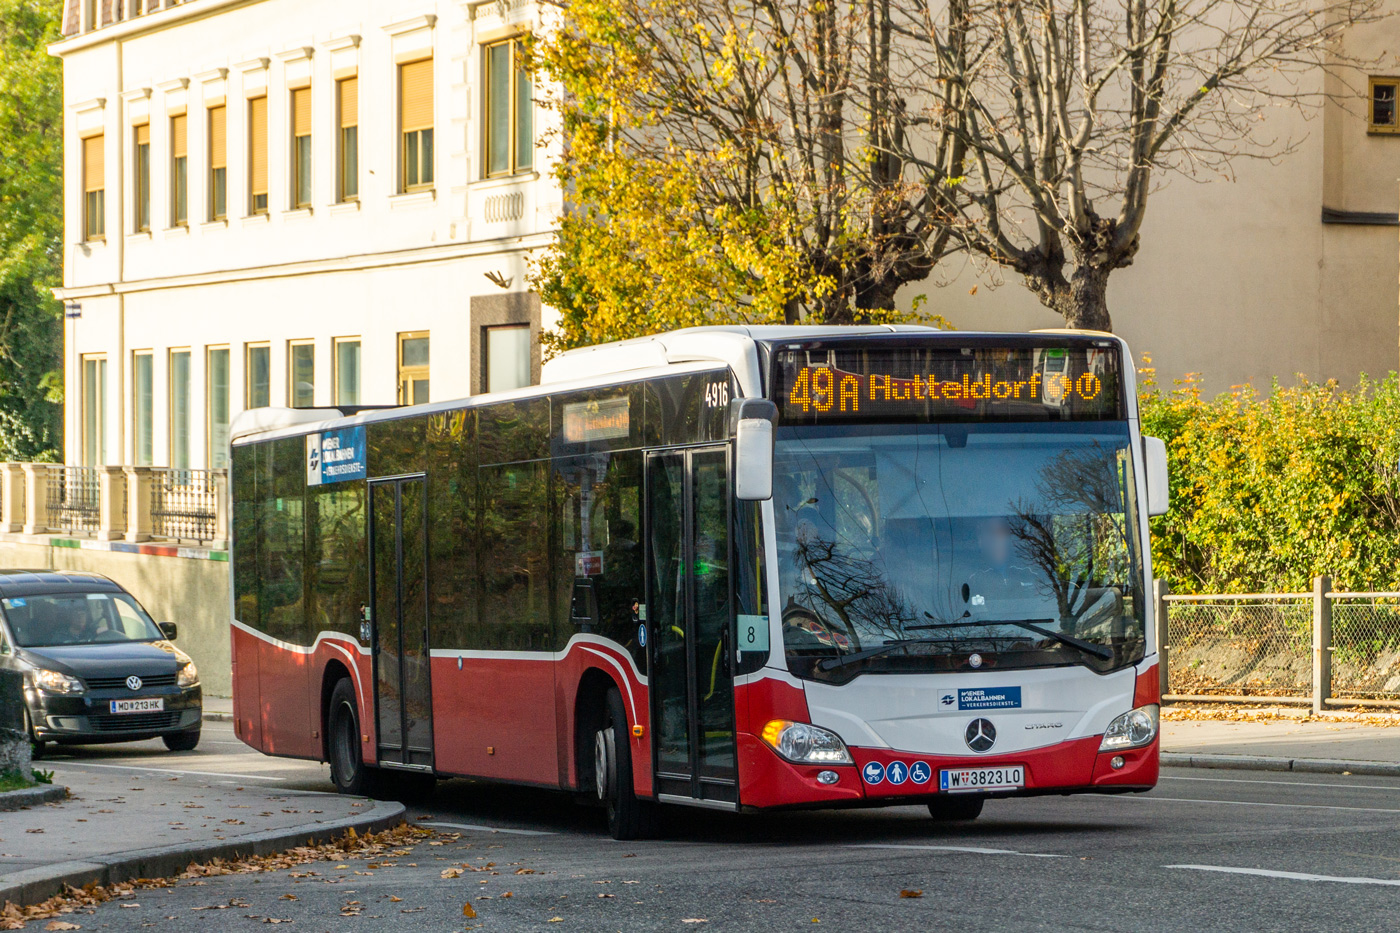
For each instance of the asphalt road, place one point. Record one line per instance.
(1208, 850)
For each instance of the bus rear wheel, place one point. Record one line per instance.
(955, 809)
(628, 817)
(348, 769)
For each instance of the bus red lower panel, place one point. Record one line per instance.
(494, 718)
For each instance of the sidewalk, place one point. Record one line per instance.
(1283, 745)
(117, 826)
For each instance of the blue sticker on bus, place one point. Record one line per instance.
(920, 772)
(874, 773)
(336, 456)
(989, 698)
(642, 635)
(897, 772)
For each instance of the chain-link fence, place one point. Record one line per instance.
(1241, 645)
(1365, 645)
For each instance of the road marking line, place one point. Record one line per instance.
(1174, 777)
(1289, 875)
(89, 764)
(975, 850)
(1255, 803)
(491, 829)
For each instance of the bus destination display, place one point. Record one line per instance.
(948, 384)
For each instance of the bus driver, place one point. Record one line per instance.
(1001, 577)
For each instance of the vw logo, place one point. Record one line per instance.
(133, 682)
(981, 735)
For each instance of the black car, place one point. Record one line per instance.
(96, 668)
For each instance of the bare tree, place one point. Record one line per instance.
(1070, 111)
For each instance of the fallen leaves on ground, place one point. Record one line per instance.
(391, 842)
(1263, 713)
(468, 910)
(911, 892)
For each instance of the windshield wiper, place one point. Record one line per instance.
(831, 664)
(1098, 651)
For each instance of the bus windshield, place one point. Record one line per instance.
(914, 547)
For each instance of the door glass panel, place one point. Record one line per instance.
(384, 516)
(417, 699)
(667, 615)
(710, 569)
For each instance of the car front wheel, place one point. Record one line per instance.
(181, 741)
(36, 746)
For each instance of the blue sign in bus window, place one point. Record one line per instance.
(336, 456)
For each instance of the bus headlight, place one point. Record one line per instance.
(805, 743)
(188, 676)
(1134, 728)
(55, 682)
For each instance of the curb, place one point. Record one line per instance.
(32, 796)
(212, 716)
(37, 884)
(1300, 765)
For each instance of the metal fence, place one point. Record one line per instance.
(74, 499)
(183, 505)
(1324, 648)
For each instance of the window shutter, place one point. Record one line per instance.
(143, 134)
(349, 101)
(218, 137)
(178, 137)
(93, 171)
(301, 112)
(257, 137)
(416, 95)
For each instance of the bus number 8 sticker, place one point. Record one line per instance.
(753, 633)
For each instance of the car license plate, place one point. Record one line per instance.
(149, 705)
(963, 780)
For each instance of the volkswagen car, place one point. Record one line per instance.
(96, 667)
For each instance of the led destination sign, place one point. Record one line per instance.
(948, 384)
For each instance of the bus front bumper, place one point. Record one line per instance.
(767, 780)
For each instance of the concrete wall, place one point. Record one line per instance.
(192, 593)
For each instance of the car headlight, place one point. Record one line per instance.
(806, 744)
(188, 676)
(55, 682)
(1134, 728)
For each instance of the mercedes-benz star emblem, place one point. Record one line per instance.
(133, 682)
(975, 660)
(981, 735)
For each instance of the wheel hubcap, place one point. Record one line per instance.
(603, 763)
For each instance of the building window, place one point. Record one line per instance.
(1382, 118)
(216, 375)
(257, 155)
(301, 374)
(180, 409)
(416, 123)
(218, 162)
(510, 110)
(347, 91)
(94, 410)
(179, 171)
(301, 147)
(141, 177)
(143, 407)
(507, 357)
(94, 189)
(347, 371)
(257, 376)
(413, 368)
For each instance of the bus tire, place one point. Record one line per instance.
(348, 769)
(628, 817)
(955, 809)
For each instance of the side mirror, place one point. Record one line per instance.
(753, 420)
(168, 629)
(1159, 496)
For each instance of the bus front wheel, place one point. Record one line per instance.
(348, 769)
(955, 809)
(628, 817)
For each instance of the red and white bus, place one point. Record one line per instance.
(732, 567)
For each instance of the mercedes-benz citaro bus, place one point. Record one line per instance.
(729, 567)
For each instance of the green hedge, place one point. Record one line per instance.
(1269, 490)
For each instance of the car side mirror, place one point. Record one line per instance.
(168, 629)
(1159, 496)
(753, 420)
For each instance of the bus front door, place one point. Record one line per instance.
(399, 601)
(688, 621)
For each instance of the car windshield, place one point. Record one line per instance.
(1017, 542)
(77, 619)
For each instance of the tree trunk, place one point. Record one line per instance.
(1082, 301)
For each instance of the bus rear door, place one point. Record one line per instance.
(688, 621)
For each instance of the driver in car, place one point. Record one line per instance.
(1002, 577)
(73, 623)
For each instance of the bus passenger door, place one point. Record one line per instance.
(399, 607)
(688, 620)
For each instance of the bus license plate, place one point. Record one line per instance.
(151, 705)
(963, 780)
